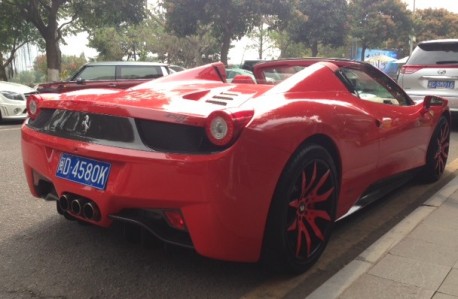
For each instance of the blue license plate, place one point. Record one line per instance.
(84, 171)
(441, 84)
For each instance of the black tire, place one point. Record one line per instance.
(302, 213)
(437, 154)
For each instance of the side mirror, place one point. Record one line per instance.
(80, 80)
(429, 101)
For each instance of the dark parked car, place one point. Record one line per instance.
(118, 74)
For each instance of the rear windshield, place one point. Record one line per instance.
(435, 53)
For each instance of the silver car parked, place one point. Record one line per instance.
(432, 69)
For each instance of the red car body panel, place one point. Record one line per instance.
(225, 196)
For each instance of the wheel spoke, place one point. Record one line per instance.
(305, 225)
(293, 226)
(443, 143)
(305, 189)
(324, 196)
(303, 231)
(313, 215)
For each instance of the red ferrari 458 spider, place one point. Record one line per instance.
(240, 171)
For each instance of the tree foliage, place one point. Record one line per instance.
(149, 41)
(14, 33)
(227, 19)
(51, 18)
(319, 22)
(115, 44)
(374, 22)
(193, 32)
(70, 64)
(435, 24)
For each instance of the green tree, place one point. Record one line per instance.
(29, 78)
(149, 40)
(374, 22)
(189, 51)
(435, 24)
(112, 44)
(70, 64)
(51, 18)
(264, 36)
(228, 20)
(319, 22)
(14, 33)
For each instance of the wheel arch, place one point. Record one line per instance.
(327, 143)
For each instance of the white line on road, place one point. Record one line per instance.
(9, 129)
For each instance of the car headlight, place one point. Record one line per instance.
(12, 95)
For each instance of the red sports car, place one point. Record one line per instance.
(237, 171)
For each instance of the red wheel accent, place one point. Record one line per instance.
(443, 142)
(309, 214)
(302, 213)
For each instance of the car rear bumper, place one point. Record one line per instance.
(223, 199)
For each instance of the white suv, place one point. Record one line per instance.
(432, 69)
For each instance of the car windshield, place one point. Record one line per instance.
(435, 53)
(277, 74)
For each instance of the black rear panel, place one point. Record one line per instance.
(84, 126)
(166, 137)
(123, 132)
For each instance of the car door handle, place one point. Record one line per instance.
(385, 122)
(112, 85)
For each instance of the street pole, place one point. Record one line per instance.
(412, 35)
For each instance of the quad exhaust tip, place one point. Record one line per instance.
(64, 202)
(79, 206)
(76, 207)
(91, 211)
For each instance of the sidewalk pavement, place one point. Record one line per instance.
(418, 258)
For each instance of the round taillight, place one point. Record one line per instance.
(224, 126)
(33, 106)
(220, 128)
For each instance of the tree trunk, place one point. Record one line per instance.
(53, 56)
(50, 31)
(314, 48)
(225, 48)
(3, 76)
(363, 52)
(261, 42)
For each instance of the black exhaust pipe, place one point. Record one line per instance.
(76, 207)
(91, 211)
(64, 202)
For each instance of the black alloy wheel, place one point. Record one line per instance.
(436, 157)
(302, 213)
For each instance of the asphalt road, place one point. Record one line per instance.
(42, 255)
